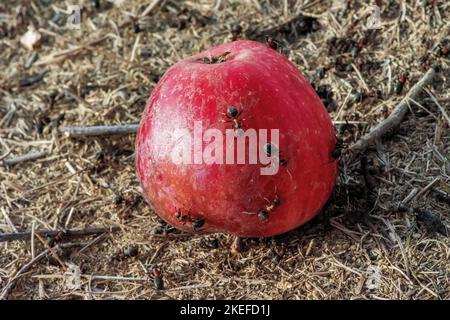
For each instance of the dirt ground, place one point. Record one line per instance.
(383, 233)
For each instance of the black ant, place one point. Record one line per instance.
(269, 149)
(401, 82)
(196, 223)
(263, 214)
(273, 43)
(182, 218)
(233, 116)
(158, 278)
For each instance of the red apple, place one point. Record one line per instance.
(239, 85)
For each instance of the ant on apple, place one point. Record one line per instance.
(269, 149)
(273, 43)
(233, 116)
(182, 218)
(196, 223)
(263, 214)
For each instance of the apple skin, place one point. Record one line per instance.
(271, 93)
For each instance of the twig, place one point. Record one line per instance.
(92, 277)
(428, 187)
(395, 118)
(193, 286)
(26, 157)
(352, 234)
(3, 156)
(33, 236)
(410, 196)
(51, 233)
(8, 220)
(114, 278)
(338, 122)
(90, 243)
(157, 253)
(101, 130)
(150, 7)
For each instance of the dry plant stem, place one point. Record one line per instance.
(51, 233)
(441, 108)
(150, 7)
(395, 118)
(94, 277)
(26, 157)
(101, 130)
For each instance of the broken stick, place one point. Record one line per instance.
(123, 129)
(52, 233)
(395, 118)
(26, 157)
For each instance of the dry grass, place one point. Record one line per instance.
(105, 74)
